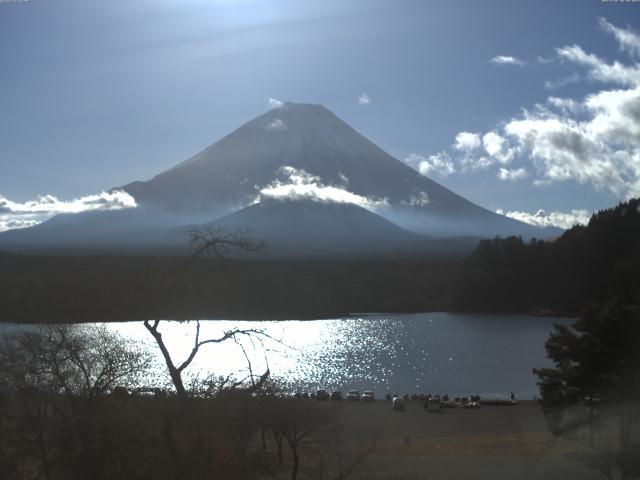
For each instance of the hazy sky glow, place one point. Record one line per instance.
(518, 106)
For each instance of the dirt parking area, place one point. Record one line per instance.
(486, 443)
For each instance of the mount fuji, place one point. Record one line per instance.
(300, 154)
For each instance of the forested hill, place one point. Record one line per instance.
(509, 275)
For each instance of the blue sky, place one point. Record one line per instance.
(97, 94)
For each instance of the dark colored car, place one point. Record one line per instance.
(368, 396)
(322, 395)
(353, 395)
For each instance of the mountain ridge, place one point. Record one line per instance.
(308, 228)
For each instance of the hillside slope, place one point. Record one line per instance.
(512, 275)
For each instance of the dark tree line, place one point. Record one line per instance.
(511, 275)
(69, 289)
(592, 392)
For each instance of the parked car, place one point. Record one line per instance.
(322, 395)
(353, 395)
(434, 404)
(367, 396)
(336, 396)
(398, 404)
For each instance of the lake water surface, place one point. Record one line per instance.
(440, 352)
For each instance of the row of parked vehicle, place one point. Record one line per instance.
(470, 401)
(431, 401)
(352, 395)
(435, 403)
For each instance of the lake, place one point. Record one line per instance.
(457, 354)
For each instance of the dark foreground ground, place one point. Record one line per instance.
(488, 443)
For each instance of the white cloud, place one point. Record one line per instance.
(601, 148)
(594, 140)
(30, 213)
(299, 184)
(8, 223)
(544, 60)
(553, 219)
(562, 82)
(467, 141)
(113, 200)
(440, 163)
(512, 175)
(506, 60)
(567, 105)
(276, 124)
(418, 200)
(364, 99)
(599, 70)
(493, 143)
(275, 103)
(627, 39)
(497, 147)
(472, 164)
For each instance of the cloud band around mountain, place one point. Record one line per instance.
(27, 214)
(552, 219)
(301, 185)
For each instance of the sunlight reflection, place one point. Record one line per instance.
(437, 352)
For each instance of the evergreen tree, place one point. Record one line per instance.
(595, 381)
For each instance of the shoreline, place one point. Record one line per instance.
(293, 318)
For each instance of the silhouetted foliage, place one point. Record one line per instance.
(65, 391)
(595, 382)
(68, 289)
(596, 359)
(76, 405)
(509, 275)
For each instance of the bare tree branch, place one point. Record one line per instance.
(227, 335)
(206, 240)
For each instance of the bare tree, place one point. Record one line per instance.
(59, 383)
(176, 370)
(205, 241)
(339, 456)
(319, 446)
(209, 241)
(296, 422)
